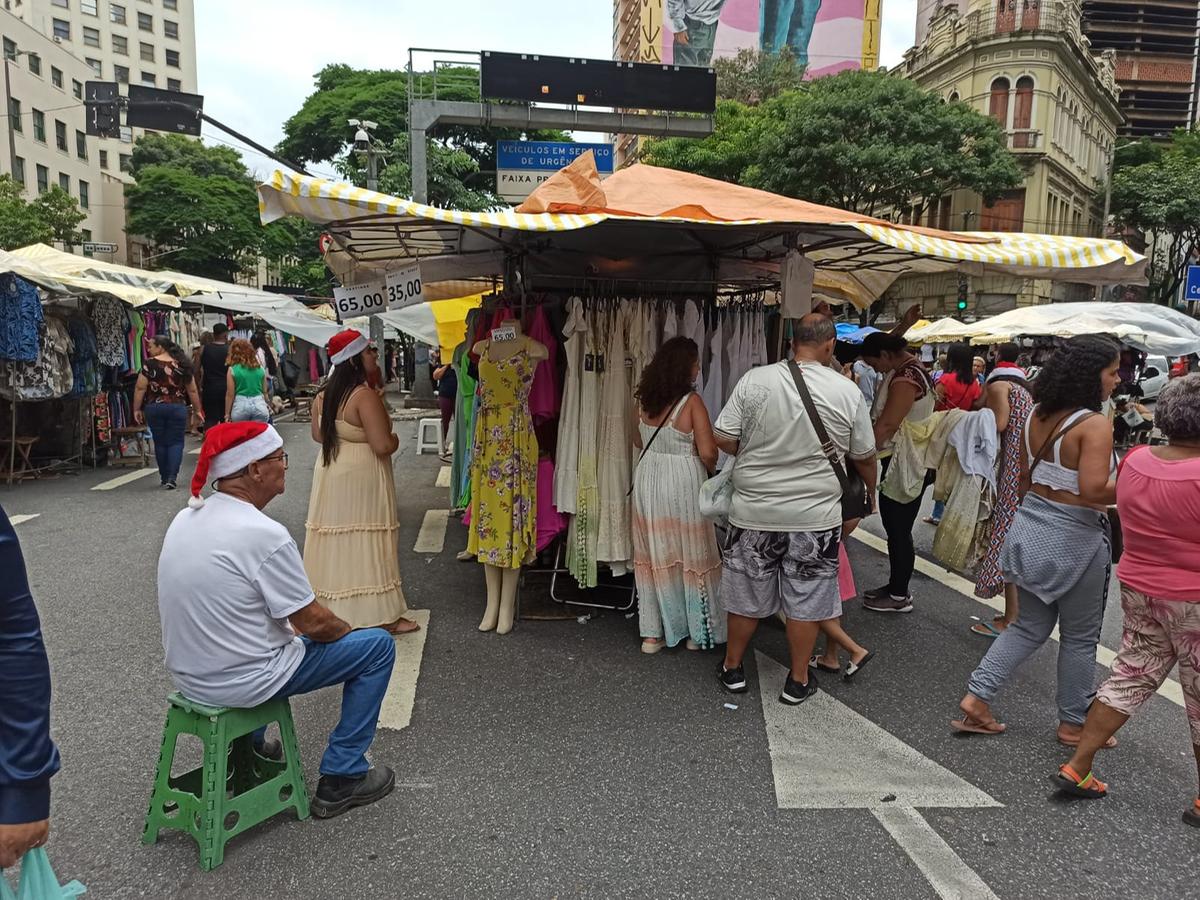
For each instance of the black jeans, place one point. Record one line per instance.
(898, 521)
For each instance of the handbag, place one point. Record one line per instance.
(716, 494)
(38, 881)
(855, 502)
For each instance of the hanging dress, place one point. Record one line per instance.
(585, 524)
(566, 470)
(614, 541)
(464, 409)
(351, 532)
(503, 529)
(544, 401)
(677, 564)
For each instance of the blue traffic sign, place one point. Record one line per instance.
(549, 156)
(1191, 290)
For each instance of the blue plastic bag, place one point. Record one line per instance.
(38, 881)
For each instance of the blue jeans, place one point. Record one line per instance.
(939, 509)
(788, 23)
(361, 662)
(168, 422)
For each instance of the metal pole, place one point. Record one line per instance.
(12, 137)
(420, 165)
(372, 171)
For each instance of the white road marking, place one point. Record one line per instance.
(432, 536)
(443, 477)
(1171, 689)
(17, 520)
(824, 755)
(396, 711)
(124, 479)
(947, 874)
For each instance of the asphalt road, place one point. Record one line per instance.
(559, 761)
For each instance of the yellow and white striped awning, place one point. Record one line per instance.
(373, 231)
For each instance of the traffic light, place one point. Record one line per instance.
(962, 295)
(102, 105)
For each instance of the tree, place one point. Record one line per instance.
(54, 216)
(862, 141)
(755, 76)
(180, 152)
(1161, 198)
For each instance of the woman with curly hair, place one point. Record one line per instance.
(1158, 493)
(676, 561)
(1058, 551)
(245, 385)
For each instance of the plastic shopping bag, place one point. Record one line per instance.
(38, 881)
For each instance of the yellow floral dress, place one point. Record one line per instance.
(504, 465)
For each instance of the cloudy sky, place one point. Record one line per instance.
(257, 59)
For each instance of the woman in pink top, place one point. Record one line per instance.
(1158, 496)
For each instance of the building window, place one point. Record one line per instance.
(998, 101)
(77, 89)
(170, 29)
(81, 145)
(14, 114)
(95, 64)
(19, 171)
(126, 134)
(120, 44)
(87, 239)
(60, 135)
(172, 58)
(35, 64)
(88, 7)
(62, 29)
(148, 79)
(170, 4)
(64, 4)
(125, 161)
(145, 22)
(174, 84)
(1006, 214)
(56, 77)
(64, 181)
(39, 126)
(116, 13)
(10, 48)
(91, 37)
(84, 198)
(43, 179)
(121, 74)
(104, 159)
(147, 51)
(1023, 114)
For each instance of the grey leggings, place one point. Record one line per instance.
(1079, 614)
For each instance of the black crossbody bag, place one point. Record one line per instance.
(855, 503)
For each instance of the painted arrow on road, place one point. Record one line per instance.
(824, 755)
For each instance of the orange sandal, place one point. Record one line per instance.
(1089, 786)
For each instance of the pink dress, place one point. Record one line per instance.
(544, 402)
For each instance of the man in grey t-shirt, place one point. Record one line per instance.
(786, 515)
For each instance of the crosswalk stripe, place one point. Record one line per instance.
(1171, 689)
(947, 874)
(443, 477)
(123, 479)
(17, 520)
(397, 707)
(432, 536)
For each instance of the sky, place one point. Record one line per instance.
(257, 58)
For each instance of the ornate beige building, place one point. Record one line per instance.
(1027, 64)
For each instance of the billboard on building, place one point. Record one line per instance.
(828, 36)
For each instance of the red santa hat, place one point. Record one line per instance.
(346, 344)
(228, 448)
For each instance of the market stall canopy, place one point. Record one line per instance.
(1146, 326)
(439, 323)
(64, 283)
(939, 332)
(645, 222)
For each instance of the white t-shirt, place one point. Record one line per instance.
(228, 578)
(782, 481)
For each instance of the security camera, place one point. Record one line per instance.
(362, 140)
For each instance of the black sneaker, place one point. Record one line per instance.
(733, 680)
(271, 749)
(170, 485)
(338, 793)
(794, 693)
(876, 593)
(889, 604)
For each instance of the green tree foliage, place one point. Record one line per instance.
(54, 216)
(462, 160)
(1160, 197)
(862, 141)
(755, 76)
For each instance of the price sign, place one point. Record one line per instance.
(504, 334)
(404, 287)
(359, 300)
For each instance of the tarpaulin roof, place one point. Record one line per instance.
(646, 222)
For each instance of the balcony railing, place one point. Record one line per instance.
(1025, 139)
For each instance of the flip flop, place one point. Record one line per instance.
(398, 627)
(1192, 816)
(814, 663)
(855, 667)
(985, 629)
(930, 520)
(1088, 787)
(1110, 744)
(967, 725)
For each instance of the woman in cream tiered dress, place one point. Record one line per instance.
(350, 546)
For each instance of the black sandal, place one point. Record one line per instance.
(815, 663)
(1089, 786)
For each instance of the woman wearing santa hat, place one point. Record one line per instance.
(350, 547)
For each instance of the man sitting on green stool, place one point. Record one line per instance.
(231, 581)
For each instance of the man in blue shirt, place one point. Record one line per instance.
(28, 758)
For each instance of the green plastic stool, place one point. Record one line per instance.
(235, 788)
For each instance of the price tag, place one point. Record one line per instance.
(404, 287)
(359, 300)
(504, 334)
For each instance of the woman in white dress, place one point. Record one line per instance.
(677, 564)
